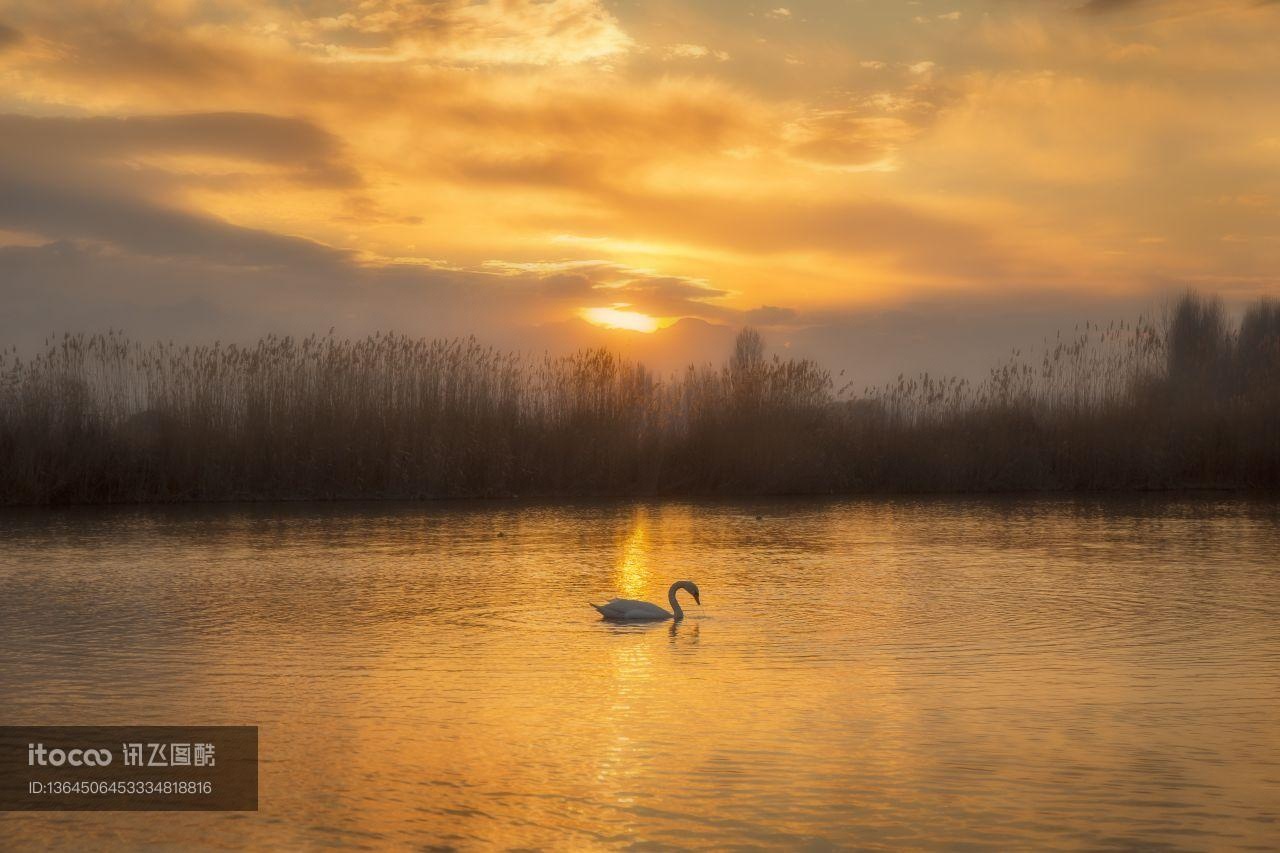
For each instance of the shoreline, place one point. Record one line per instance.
(1264, 494)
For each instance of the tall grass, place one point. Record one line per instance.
(1190, 400)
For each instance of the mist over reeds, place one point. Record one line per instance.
(1186, 400)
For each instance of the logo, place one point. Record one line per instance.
(38, 755)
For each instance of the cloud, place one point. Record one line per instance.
(366, 159)
(1105, 7)
(297, 146)
(670, 114)
(595, 283)
(80, 178)
(946, 334)
(692, 51)
(948, 16)
(522, 32)
(8, 36)
(77, 180)
(137, 225)
(75, 286)
(848, 138)
(666, 295)
(770, 315)
(550, 170)
(868, 229)
(85, 54)
(1097, 7)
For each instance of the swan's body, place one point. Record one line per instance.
(630, 610)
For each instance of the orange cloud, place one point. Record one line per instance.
(519, 32)
(680, 159)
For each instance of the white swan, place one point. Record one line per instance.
(628, 610)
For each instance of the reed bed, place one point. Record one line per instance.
(1186, 400)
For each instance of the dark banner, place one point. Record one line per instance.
(128, 768)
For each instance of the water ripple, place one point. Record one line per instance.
(1031, 673)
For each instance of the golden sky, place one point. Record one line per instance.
(447, 166)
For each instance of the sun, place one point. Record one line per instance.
(615, 318)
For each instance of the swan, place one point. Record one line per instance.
(628, 610)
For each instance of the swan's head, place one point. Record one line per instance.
(689, 587)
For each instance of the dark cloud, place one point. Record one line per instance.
(78, 178)
(770, 315)
(68, 287)
(152, 54)
(74, 286)
(1102, 7)
(295, 145)
(136, 225)
(952, 335)
(665, 296)
(1097, 7)
(8, 36)
(570, 285)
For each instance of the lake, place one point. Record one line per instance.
(1021, 672)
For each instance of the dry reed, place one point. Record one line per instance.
(1188, 401)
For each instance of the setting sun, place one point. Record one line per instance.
(614, 318)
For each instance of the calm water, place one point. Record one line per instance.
(1024, 673)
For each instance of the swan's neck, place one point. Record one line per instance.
(675, 605)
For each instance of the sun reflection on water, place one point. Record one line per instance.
(633, 575)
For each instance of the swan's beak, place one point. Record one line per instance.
(697, 600)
